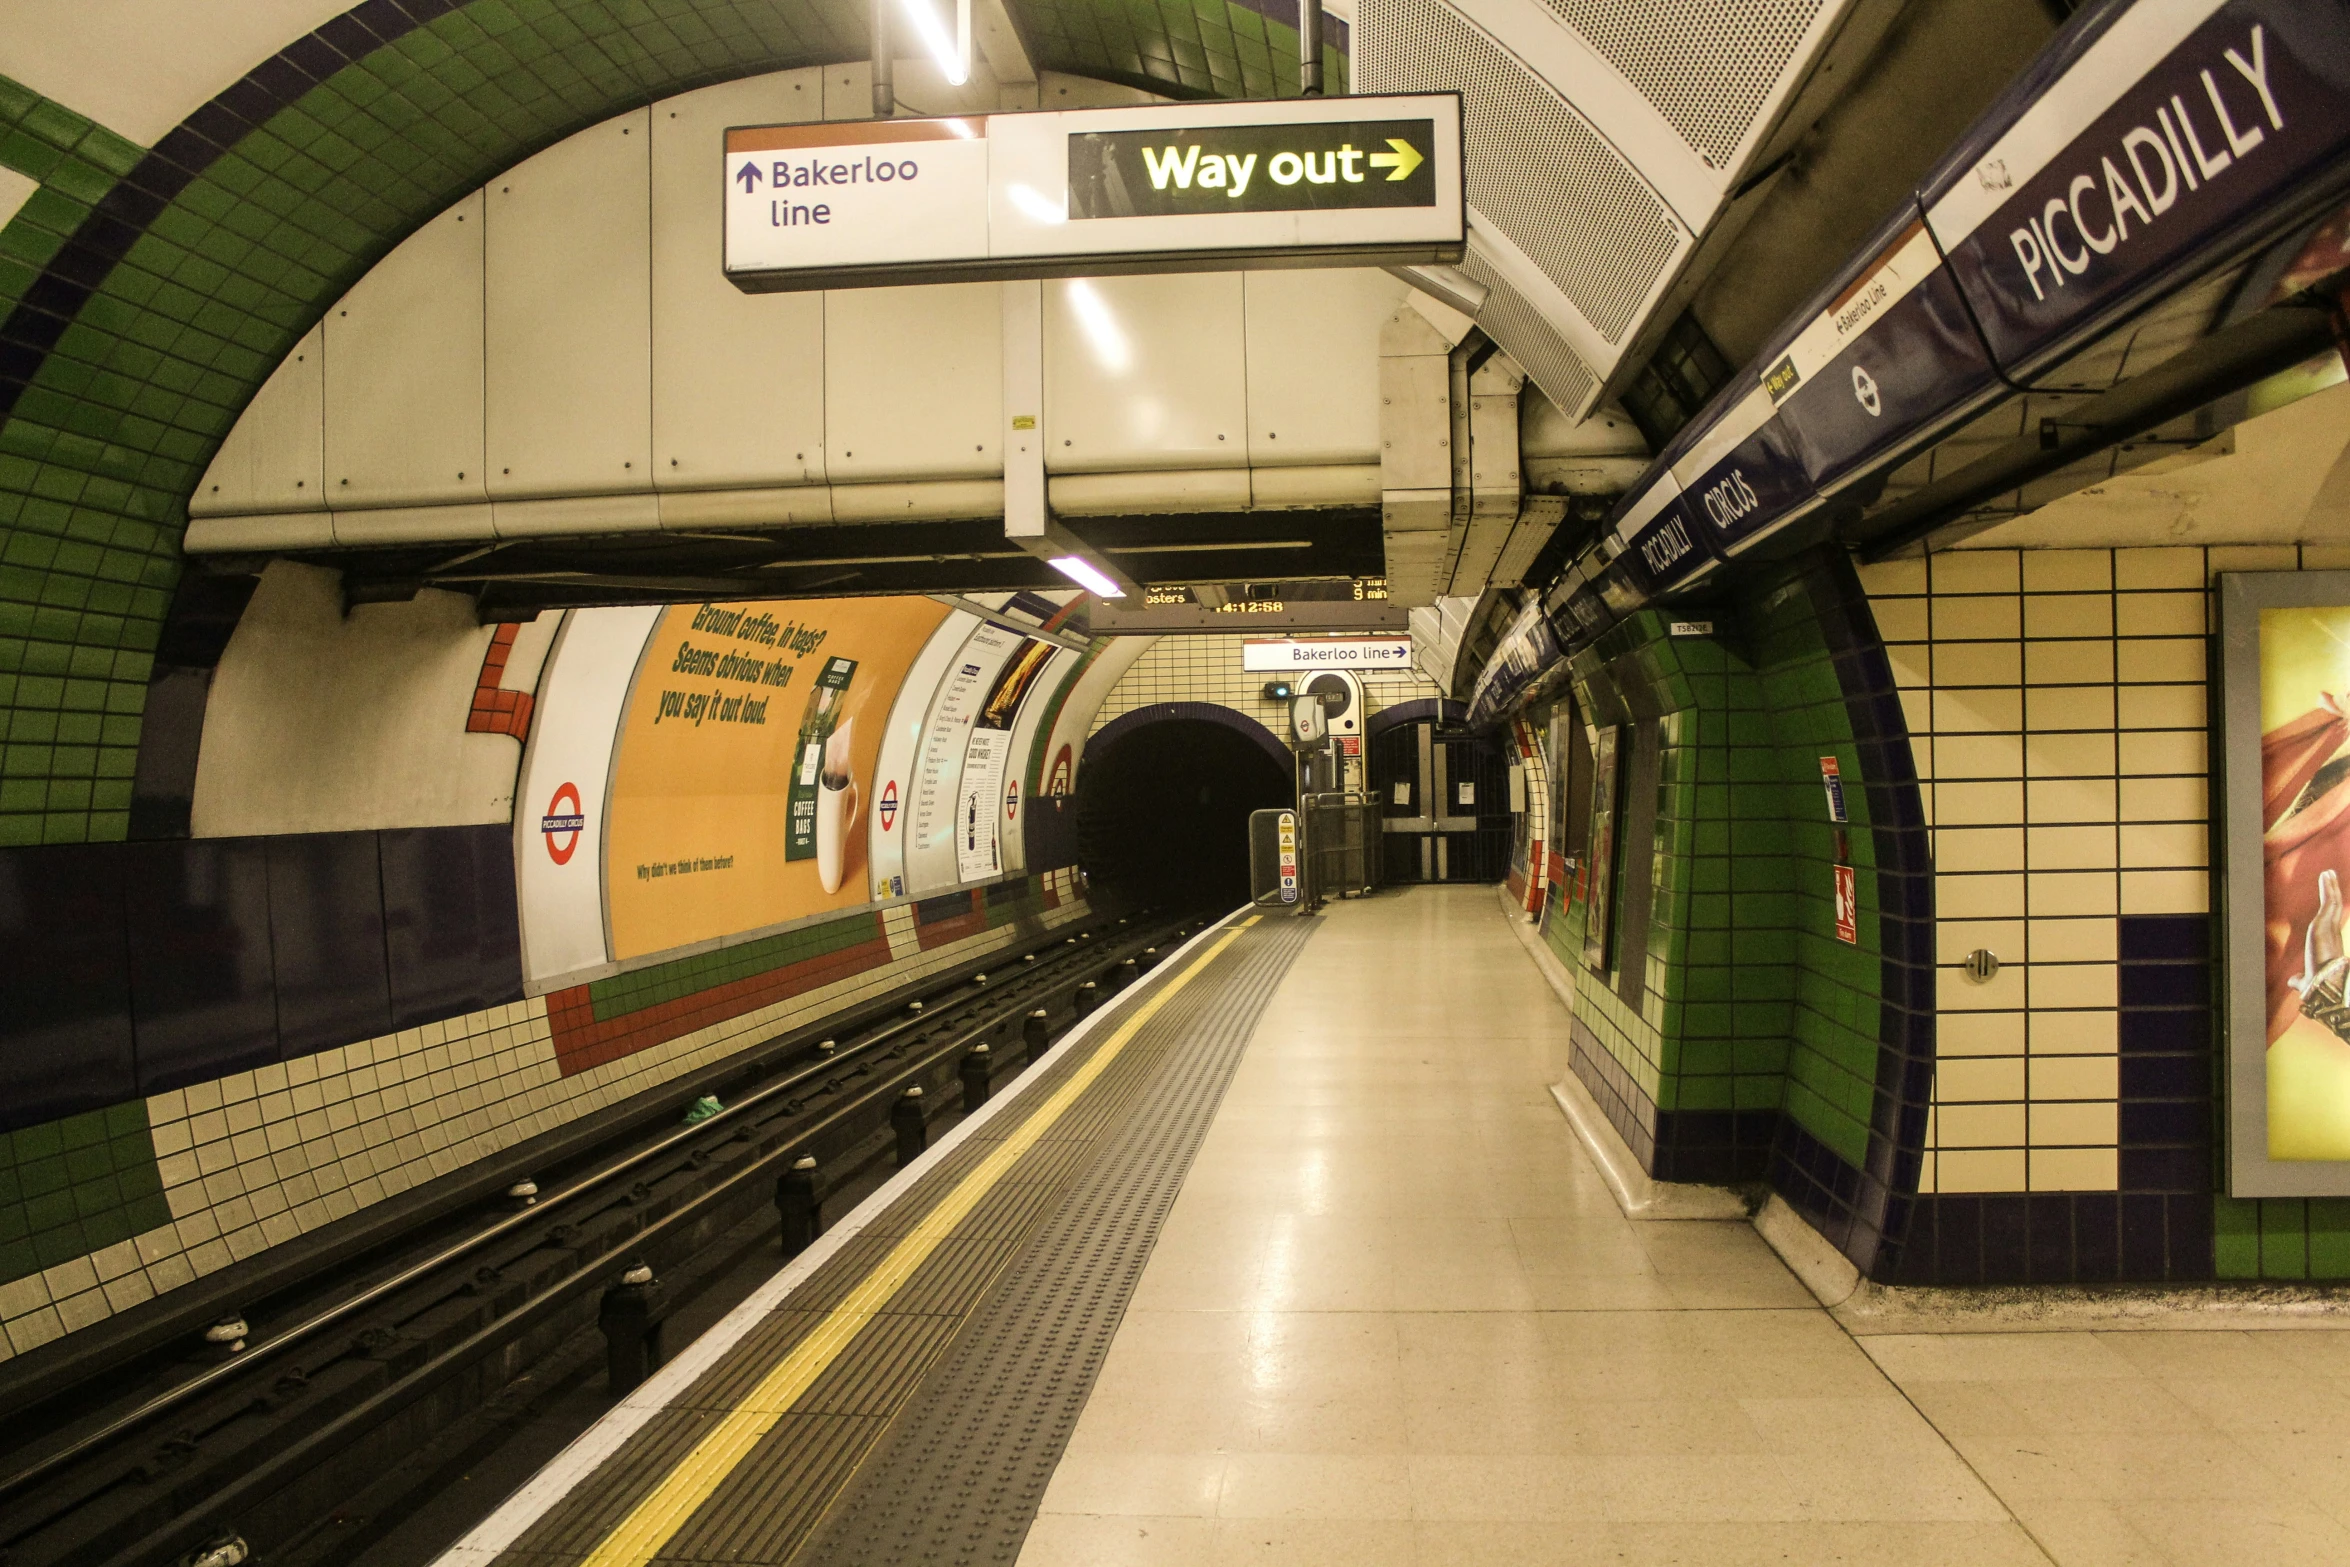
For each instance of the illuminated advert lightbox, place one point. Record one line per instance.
(2285, 770)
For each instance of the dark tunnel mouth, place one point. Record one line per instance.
(1162, 813)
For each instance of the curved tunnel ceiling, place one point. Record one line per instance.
(195, 212)
(147, 290)
(502, 407)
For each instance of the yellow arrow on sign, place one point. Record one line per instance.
(1403, 160)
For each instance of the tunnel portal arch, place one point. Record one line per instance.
(1163, 801)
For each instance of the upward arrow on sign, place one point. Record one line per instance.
(1402, 161)
(749, 175)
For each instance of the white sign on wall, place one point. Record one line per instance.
(1358, 653)
(937, 810)
(559, 803)
(1060, 193)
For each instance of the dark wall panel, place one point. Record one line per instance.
(130, 968)
(65, 999)
(326, 925)
(203, 1000)
(450, 930)
(1049, 826)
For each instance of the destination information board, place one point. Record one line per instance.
(1088, 192)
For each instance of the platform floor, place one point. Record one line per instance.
(1395, 1317)
(1315, 1272)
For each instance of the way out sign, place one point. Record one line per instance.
(1091, 192)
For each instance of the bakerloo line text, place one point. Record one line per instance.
(785, 214)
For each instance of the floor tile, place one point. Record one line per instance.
(1395, 1317)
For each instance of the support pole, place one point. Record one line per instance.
(1309, 48)
(885, 86)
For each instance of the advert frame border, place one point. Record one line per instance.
(2239, 884)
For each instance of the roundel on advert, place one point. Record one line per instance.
(1011, 799)
(889, 805)
(563, 823)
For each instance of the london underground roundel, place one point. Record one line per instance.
(563, 823)
(1011, 799)
(889, 805)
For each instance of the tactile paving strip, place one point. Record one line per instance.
(960, 1472)
(764, 1511)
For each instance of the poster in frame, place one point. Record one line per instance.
(1599, 886)
(2285, 791)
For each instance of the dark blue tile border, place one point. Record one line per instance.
(136, 967)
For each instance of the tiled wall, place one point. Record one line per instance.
(2058, 707)
(1753, 1043)
(1207, 669)
(101, 1212)
(129, 968)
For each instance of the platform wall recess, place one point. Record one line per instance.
(2058, 700)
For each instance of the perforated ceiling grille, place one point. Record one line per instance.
(1707, 65)
(1534, 166)
(1519, 328)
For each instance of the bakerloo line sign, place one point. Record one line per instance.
(1091, 192)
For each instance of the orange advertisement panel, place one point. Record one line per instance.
(745, 765)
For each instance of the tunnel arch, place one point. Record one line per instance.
(1443, 710)
(1163, 800)
(1195, 712)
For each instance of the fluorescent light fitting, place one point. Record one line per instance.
(1036, 207)
(1100, 325)
(1087, 576)
(952, 54)
(961, 128)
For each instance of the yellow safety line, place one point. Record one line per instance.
(642, 1534)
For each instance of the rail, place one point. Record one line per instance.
(979, 1010)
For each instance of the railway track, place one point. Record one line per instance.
(239, 1442)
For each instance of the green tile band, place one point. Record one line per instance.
(72, 1187)
(681, 977)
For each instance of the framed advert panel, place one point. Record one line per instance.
(2284, 724)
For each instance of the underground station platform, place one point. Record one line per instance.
(903, 1390)
(1243, 783)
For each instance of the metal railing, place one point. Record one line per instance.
(1342, 844)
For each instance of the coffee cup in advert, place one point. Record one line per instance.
(836, 809)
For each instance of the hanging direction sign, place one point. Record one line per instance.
(1090, 192)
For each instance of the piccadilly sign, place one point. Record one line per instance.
(1089, 192)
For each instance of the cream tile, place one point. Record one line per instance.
(2162, 659)
(1975, 571)
(2159, 614)
(1318, 1542)
(1117, 1540)
(1995, 896)
(1316, 1485)
(2048, 615)
(1579, 1388)
(2138, 569)
(1978, 664)
(1497, 1486)
(2082, 1533)
(1176, 1485)
(2165, 892)
(2088, 661)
